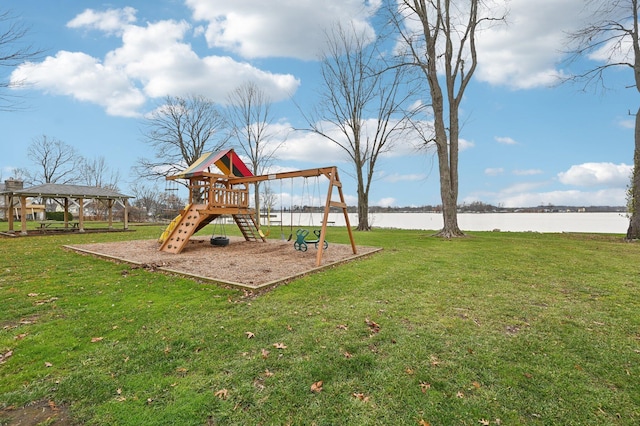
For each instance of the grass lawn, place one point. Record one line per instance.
(497, 328)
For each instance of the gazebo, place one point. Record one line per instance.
(67, 193)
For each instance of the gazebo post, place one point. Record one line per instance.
(23, 214)
(10, 212)
(110, 206)
(126, 214)
(81, 214)
(66, 212)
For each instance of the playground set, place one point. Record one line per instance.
(212, 195)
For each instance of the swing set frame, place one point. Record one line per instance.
(331, 173)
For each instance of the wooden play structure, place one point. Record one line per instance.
(212, 195)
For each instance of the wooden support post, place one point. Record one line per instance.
(80, 214)
(10, 212)
(110, 207)
(23, 214)
(126, 214)
(66, 213)
(334, 180)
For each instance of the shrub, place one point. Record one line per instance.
(58, 216)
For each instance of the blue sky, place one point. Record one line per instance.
(527, 141)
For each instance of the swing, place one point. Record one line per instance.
(220, 240)
(291, 212)
(301, 243)
(268, 202)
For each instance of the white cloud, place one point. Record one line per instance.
(464, 144)
(527, 172)
(111, 21)
(386, 202)
(278, 28)
(84, 78)
(605, 197)
(505, 140)
(597, 174)
(494, 171)
(525, 52)
(396, 177)
(627, 123)
(153, 61)
(308, 146)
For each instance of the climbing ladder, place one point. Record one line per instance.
(191, 221)
(247, 225)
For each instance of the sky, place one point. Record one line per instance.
(526, 140)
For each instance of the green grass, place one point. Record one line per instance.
(522, 327)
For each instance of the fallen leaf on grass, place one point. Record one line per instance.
(459, 394)
(222, 394)
(5, 357)
(528, 375)
(484, 422)
(476, 385)
(342, 327)
(20, 336)
(280, 346)
(375, 327)
(48, 364)
(423, 422)
(347, 355)
(268, 373)
(424, 386)
(362, 397)
(249, 334)
(96, 339)
(265, 353)
(32, 294)
(316, 387)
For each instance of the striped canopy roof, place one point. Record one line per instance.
(226, 161)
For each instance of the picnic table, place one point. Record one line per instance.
(58, 224)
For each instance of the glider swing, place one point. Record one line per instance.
(301, 243)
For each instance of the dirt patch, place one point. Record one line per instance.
(39, 413)
(242, 263)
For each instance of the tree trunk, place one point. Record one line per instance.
(633, 232)
(448, 196)
(363, 212)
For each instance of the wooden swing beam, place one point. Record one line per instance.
(334, 181)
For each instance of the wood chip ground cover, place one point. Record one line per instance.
(246, 263)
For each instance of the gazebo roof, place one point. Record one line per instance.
(55, 190)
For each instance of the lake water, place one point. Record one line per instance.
(609, 223)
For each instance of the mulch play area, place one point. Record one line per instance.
(244, 264)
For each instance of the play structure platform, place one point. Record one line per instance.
(212, 195)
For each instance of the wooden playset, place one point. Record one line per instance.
(212, 195)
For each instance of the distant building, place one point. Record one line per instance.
(9, 185)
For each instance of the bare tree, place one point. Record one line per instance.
(440, 41)
(96, 172)
(362, 97)
(56, 161)
(14, 50)
(179, 132)
(613, 36)
(250, 117)
(147, 198)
